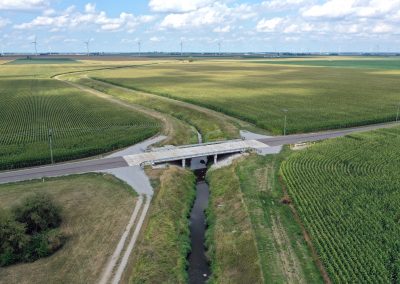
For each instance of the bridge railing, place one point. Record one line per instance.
(192, 145)
(211, 153)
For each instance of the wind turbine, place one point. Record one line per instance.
(219, 48)
(34, 42)
(181, 48)
(87, 46)
(139, 47)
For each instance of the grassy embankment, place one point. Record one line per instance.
(212, 125)
(95, 211)
(81, 124)
(160, 253)
(253, 236)
(178, 131)
(347, 193)
(258, 93)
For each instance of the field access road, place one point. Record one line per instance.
(103, 164)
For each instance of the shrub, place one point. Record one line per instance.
(39, 213)
(31, 231)
(12, 239)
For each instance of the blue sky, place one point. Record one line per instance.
(238, 25)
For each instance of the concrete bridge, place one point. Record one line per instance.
(156, 156)
(182, 153)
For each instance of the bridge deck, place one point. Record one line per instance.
(193, 151)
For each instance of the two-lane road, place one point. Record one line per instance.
(310, 137)
(119, 162)
(63, 169)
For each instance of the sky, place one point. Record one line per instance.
(201, 25)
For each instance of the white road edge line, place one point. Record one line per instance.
(128, 251)
(107, 273)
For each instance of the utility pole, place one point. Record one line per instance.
(285, 122)
(51, 144)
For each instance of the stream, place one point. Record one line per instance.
(199, 269)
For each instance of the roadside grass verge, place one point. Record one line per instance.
(161, 251)
(280, 252)
(95, 211)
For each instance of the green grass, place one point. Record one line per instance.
(160, 254)
(95, 211)
(347, 193)
(39, 60)
(82, 124)
(211, 125)
(229, 237)
(252, 235)
(316, 98)
(389, 63)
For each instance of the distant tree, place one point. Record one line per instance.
(39, 212)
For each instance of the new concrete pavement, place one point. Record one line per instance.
(104, 164)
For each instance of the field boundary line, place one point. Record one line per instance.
(107, 272)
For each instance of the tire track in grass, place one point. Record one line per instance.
(131, 245)
(106, 275)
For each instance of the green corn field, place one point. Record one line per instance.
(80, 124)
(346, 192)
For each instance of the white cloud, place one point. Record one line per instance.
(4, 22)
(331, 9)
(216, 14)
(225, 29)
(382, 28)
(270, 25)
(352, 9)
(90, 8)
(23, 4)
(292, 38)
(70, 40)
(283, 4)
(300, 27)
(178, 6)
(156, 39)
(70, 19)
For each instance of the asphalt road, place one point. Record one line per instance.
(310, 137)
(63, 169)
(119, 162)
